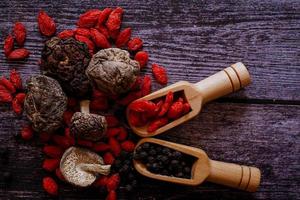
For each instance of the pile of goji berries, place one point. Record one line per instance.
(98, 29)
(159, 112)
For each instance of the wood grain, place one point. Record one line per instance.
(257, 126)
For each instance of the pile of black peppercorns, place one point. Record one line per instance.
(123, 165)
(165, 161)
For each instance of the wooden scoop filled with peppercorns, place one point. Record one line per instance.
(167, 161)
(179, 102)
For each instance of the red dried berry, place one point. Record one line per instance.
(142, 106)
(72, 102)
(17, 106)
(168, 102)
(50, 186)
(89, 18)
(44, 137)
(122, 135)
(112, 132)
(98, 94)
(99, 104)
(46, 24)
(20, 97)
(62, 141)
(87, 41)
(108, 158)
(59, 175)
(101, 181)
(66, 34)
(51, 164)
(99, 39)
(156, 124)
(8, 85)
(83, 31)
(175, 110)
(20, 33)
(135, 44)
(112, 195)
(114, 34)
(158, 106)
(130, 97)
(53, 151)
(142, 57)
(84, 143)
(102, 29)
(18, 54)
(113, 182)
(112, 121)
(100, 147)
(68, 116)
(104, 15)
(114, 19)
(128, 146)
(5, 95)
(186, 108)
(135, 119)
(160, 74)
(114, 146)
(123, 37)
(15, 78)
(146, 87)
(8, 45)
(27, 133)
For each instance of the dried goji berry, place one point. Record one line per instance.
(98, 94)
(62, 141)
(158, 106)
(89, 18)
(46, 24)
(59, 175)
(101, 181)
(45, 137)
(15, 78)
(103, 30)
(18, 54)
(53, 151)
(87, 41)
(83, 31)
(99, 39)
(142, 57)
(114, 146)
(135, 44)
(84, 143)
(186, 108)
(20, 97)
(175, 110)
(100, 147)
(27, 133)
(114, 19)
(108, 158)
(5, 95)
(114, 34)
(123, 37)
(128, 146)
(122, 135)
(99, 104)
(67, 117)
(113, 182)
(146, 87)
(112, 132)
(20, 33)
(50, 164)
(156, 124)
(9, 86)
(160, 74)
(104, 15)
(112, 195)
(17, 106)
(112, 121)
(66, 34)
(137, 84)
(131, 96)
(142, 106)
(135, 119)
(50, 186)
(8, 45)
(72, 102)
(168, 102)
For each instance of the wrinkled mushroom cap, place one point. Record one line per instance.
(45, 103)
(66, 61)
(81, 166)
(112, 71)
(88, 126)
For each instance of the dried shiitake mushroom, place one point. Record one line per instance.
(112, 71)
(81, 166)
(45, 103)
(85, 125)
(66, 61)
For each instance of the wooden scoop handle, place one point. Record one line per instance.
(224, 82)
(233, 175)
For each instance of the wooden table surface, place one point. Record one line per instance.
(257, 126)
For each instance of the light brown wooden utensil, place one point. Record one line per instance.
(204, 169)
(220, 84)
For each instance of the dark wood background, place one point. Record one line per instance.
(257, 126)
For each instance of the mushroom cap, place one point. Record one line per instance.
(45, 103)
(81, 166)
(88, 126)
(66, 60)
(112, 71)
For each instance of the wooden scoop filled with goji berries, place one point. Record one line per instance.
(152, 117)
(203, 169)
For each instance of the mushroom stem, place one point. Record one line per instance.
(85, 106)
(95, 168)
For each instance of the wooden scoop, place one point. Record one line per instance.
(204, 169)
(220, 84)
